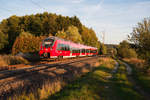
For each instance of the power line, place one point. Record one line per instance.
(35, 3)
(5, 9)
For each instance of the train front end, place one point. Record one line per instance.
(46, 47)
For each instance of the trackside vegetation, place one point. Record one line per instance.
(100, 84)
(53, 88)
(141, 77)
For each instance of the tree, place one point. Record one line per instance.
(14, 29)
(26, 43)
(73, 34)
(61, 34)
(47, 23)
(112, 52)
(89, 37)
(141, 38)
(125, 51)
(103, 49)
(3, 40)
(124, 44)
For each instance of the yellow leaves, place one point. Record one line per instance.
(26, 43)
(61, 34)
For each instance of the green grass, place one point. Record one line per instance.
(98, 85)
(122, 88)
(142, 79)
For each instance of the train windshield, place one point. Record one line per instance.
(48, 43)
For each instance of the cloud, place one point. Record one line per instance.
(117, 19)
(77, 1)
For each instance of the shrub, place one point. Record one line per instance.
(30, 56)
(103, 49)
(139, 63)
(2, 62)
(130, 53)
(125, 51)
(26, 43)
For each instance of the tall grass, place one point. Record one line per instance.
(6, 60)
(138, 63)
(140, 73)
(2, 62)
(48, 88)
(51, 87)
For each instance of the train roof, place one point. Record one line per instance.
(72, 43)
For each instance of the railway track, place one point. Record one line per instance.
(10, 80)
(36, 67)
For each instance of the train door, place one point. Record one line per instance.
(59, 50)
(70, 48)
(67, 50)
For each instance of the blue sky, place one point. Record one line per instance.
(114, 17)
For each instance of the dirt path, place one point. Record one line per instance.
(137, 87)
(116, 67)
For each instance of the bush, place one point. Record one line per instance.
(26, 43)
(131, 53)
(30, 56)
(127, 53)
(2, 62)
(103, 49)
(138, 63)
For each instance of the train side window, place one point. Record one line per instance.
(90, 51)
(94, 51)
(83, 50)
(74, 50)
(68, 48)
(58, 46)
(87, 50)
(62, 47)
(79, 51)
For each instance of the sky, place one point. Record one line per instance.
(114, 18)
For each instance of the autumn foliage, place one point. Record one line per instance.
(26, 43)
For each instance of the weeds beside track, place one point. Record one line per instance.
(31, 79)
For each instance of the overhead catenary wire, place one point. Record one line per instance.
(1, 8)
(38, 5)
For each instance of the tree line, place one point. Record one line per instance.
(45, 24)
(140, 37)
(138, 44)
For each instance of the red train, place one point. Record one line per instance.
(53, 47)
